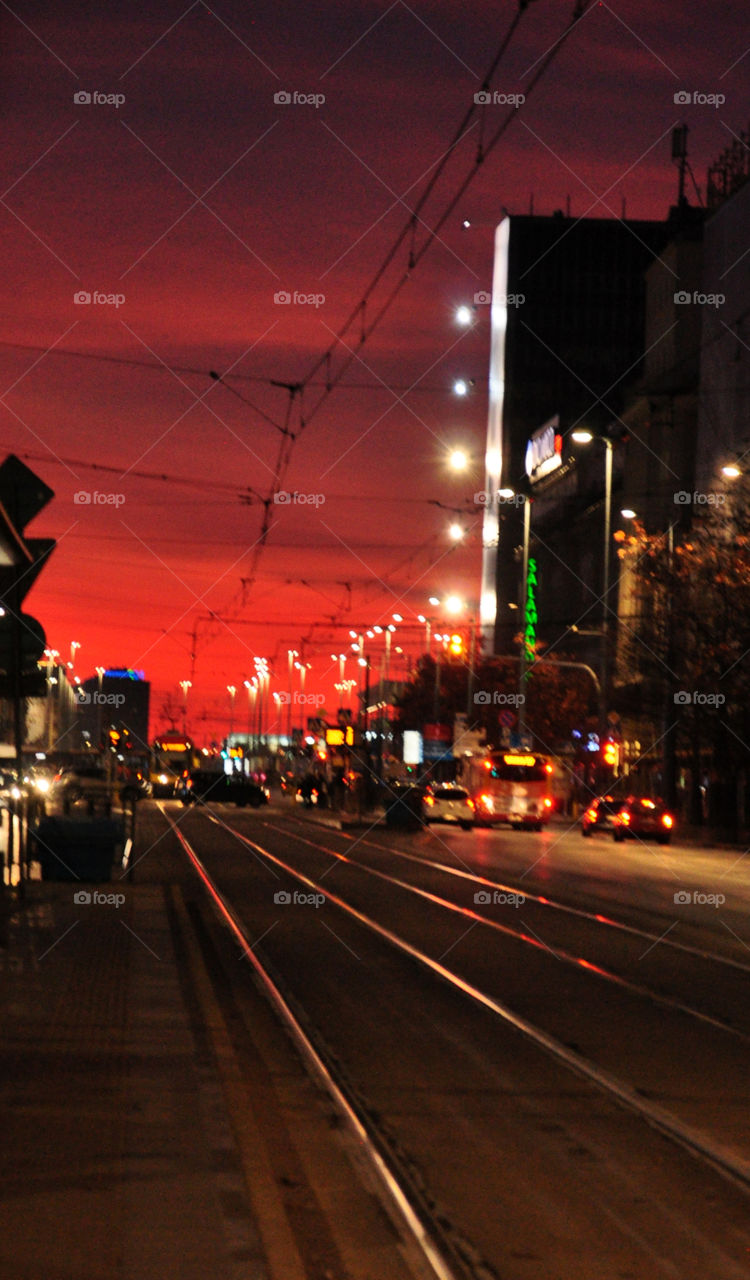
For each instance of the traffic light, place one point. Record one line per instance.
(22, 638)
(456, 646)
(611, 754)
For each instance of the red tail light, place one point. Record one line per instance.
(667, 820)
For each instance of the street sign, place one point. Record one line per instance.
(507, 718)
(22, 640)
(32, 640)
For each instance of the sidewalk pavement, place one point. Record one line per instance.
(117, 1157)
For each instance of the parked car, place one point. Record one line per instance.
(640, 817)
(81, 781)
(134, 785)
(212, 787)
(39, 779)
(600, 815)
(164, 784)
(449, 804)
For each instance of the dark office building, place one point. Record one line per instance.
(567, 341)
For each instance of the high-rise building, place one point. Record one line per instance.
(567, 341)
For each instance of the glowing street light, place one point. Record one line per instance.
(456, 532)
(464, 315)
(460, 387)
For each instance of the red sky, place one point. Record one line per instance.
(197, 199)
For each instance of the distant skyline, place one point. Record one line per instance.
(183, 200)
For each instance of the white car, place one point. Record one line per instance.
(449, 804)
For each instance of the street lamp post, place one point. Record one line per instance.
(100, 674)
(262, 672)
(185, 685)
(585, 437)
(291, 655)
(231, 690)
(252, 694)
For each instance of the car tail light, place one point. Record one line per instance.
(667, 820)
(470, 803)
(429, 800)
(590, 814)
(547, 802)
(623, 817)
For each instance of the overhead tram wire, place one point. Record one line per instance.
(409, 229)
(409, 226)
(165, 367)
(415, 256)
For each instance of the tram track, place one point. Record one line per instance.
(596, 970)
(698, 1143)
(313, 958)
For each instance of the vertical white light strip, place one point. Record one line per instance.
(494, 452)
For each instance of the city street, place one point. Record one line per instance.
(548, 1039)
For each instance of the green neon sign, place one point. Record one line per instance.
(531, 615)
